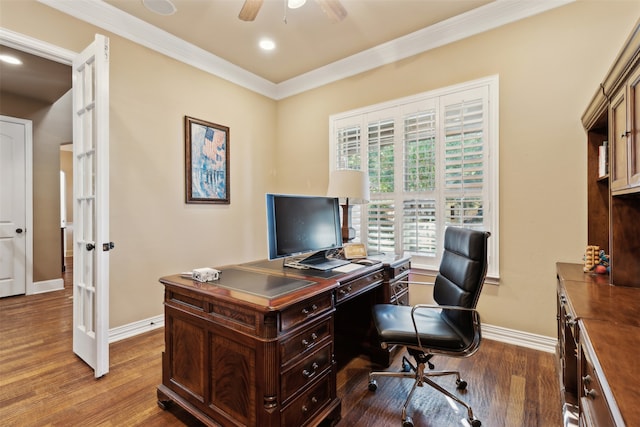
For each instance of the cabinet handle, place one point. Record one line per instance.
(586, 379)
(304, 407)
(307, 343)
(308, 310)
(590, 393)
(346, 290)
(309, 374)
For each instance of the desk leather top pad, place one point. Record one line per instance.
(260, 284)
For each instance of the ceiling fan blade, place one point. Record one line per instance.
(333, 9)
(250, 10)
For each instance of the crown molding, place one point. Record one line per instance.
(487, 17)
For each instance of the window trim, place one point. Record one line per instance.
(492, 158)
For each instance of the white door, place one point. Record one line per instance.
(15, 232)
(91, 205)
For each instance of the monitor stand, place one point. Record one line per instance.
(319, 261)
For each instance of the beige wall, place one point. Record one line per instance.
(549, 67)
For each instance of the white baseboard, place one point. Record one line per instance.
(523, 339)
(132, 329)
(47, 286)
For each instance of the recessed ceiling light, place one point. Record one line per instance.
(267, 44)
(10, 59)
(161, 7)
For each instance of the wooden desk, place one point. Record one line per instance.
(256, 348)
(598, 331)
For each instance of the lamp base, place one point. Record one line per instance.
(348, 232)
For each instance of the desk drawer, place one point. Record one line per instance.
(305, 372)
(305, 341)
(354, 287)
(303, 409)
(396, 271)
(304, 311)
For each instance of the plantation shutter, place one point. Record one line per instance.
(464, 158)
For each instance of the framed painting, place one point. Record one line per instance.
(206, 162)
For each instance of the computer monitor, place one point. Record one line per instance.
(298, 225)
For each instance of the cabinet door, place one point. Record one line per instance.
(634, 129)
(618, 136)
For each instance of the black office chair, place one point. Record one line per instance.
(451, 328)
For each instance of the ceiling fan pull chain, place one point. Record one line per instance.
(284, 18)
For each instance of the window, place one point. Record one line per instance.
(432, 160)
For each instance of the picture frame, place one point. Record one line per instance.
(206, 162)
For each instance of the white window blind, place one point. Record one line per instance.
(432, 163)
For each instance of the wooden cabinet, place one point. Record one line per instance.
(614, 200)
(598, 331)
(625, 137)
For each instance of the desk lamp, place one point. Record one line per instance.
(351, 187)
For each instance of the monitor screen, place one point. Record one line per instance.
(301, 224)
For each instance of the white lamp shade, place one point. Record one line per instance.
(351, 184)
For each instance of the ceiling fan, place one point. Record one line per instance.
(332, 8)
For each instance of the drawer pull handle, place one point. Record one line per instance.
(590, 393)
(308, 310)
(307, 343)
(345, 291)
(304, 407)
(309, 374)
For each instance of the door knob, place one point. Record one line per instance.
(90, 246)
(19, 230)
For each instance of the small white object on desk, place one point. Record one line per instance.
(348, 268)
(205, 274)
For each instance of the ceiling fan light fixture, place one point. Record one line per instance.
(161, 7)
(294, 4)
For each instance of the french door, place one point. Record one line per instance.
(91, 205)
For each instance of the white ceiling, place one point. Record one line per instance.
(311, 50)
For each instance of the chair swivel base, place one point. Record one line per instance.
(420, 378)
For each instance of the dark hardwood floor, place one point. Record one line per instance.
(42, 383)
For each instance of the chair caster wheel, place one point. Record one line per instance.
(373, 385)
(475, 423)
(408, 422)
(461, 385)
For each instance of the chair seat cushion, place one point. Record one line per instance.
(395, 326)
